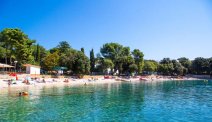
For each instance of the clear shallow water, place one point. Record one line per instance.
(172, 101)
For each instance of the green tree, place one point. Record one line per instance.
(111, 51)
(39, 53)
(17, 46)
(75, 61)
(178, 68)
(116, 53)
(67, 59)
(166, 66)
(83, 50)
(107, 63)
(62, 47)
(133, 68)
(200, 65)
(37, 58)
(150, 66)
(2, 53)
(138, 57)
(51, 61)
(123, 64)
(210, 66)
(186, 63)
(55, 49)
(92, 61)
(81, 64)
(43, 54)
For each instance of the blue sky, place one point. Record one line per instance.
(159, 28)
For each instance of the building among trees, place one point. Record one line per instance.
(32, 69)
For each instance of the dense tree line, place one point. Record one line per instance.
(16, 46)
(113, 58)
(181, 66)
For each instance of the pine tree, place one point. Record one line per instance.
(92, 61)
(82, 50)
(37, 59)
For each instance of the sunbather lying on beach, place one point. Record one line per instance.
(26, 82)
(9, 82)
(66, 81)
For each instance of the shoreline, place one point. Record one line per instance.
(51, 82)
(14, 89)
(58, 83)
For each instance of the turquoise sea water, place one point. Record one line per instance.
(169, 101)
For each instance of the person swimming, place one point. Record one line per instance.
(23, 94)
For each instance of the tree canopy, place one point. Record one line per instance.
(92, 61)
(15, 45)
(139, 61)
(201, 65)
(51, 61)
(150, 66)
(122, 57)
